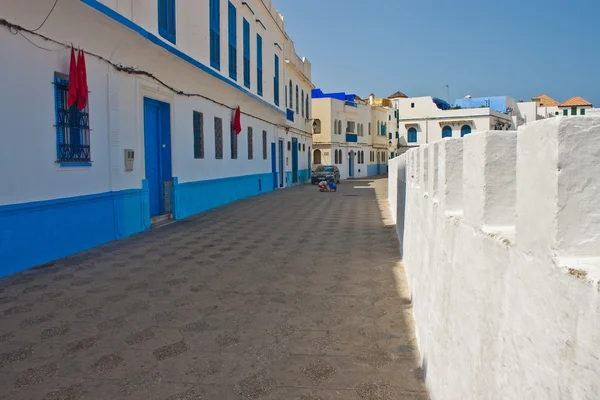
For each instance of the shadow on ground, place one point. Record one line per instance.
(291, 295)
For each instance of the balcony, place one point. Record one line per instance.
(351, 137)
(289, 115)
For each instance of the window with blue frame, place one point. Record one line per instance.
(246, 53)
(276, 81)
(302, 102)
(297, 101)
(446, 132)
(412, 135)
(166, 20)
(307, 103)
(259, 54)
(215, 34)
(465, 130)
(232, 35)
(72, 126)
(291, 107)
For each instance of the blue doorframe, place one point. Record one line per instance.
(157, 151)
(351, 164)
(294, 160)
(274, 164)
(281, 164)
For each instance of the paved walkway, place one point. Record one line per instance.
(291, 295)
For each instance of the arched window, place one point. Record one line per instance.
(339, 127)
(317, 156)
(286, 99)
(465, 130)
(341, 160)
(317, 126)
(335, 127)
(412, 135)
(291, 96)
(446, 132)
(378, 128)
(297, 105)
(302, 102)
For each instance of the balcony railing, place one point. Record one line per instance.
(351, 104)
(289, 115)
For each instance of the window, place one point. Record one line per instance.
(72, 125)
(573, 110)
(335, 157)
(397, 135)
(383, 129)
(232, 35)
(412, 105)
(166, 20)
(335, 127)
(246, 28)
(297, 105)
(390, 135)
(264, 145)
(302, 102)
(303, 147)
(276, 82)
(218, 138)
(317, 126)
(259, 77)
(339, 127)
(378, 127)
(307, 113)
(286, 99)
(582, 111)
(250, 145)
(215, 34)
(369, 129)
(234, 144)
(465, 130)
(565, 112)
(198, 135)
(291, 96)
(390, 117)
(446, 132)
(412, 135)
(317, 157)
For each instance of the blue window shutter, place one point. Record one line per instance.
(276, 81)
(246, 53)
(232, 34)
(291, 96)
(259, 80)
(297, 100)
(166, 20)
(59, 107)
(302, 101)
(215, 34)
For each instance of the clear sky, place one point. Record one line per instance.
(518, 48)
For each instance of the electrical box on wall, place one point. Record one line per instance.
(129, 157)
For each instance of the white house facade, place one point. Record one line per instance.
(155, 139)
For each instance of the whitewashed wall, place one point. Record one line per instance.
(501, 245)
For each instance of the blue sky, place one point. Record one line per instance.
(519, 48)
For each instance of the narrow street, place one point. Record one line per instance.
(291, 295)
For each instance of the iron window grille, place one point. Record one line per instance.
(72, 125)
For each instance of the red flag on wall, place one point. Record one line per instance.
(73, 80)
(237, 121)
(82, 86)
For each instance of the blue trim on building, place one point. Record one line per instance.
(75, 164)
(195, 197)
(351, 138)
(159, 42)
(38, 232)
(372, 169)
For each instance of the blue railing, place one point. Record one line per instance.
(351, 104)
(351, 138)
(290, 115)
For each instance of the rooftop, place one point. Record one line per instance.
(575, 101)
(545, 101)
(398, 95)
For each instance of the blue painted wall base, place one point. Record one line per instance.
(195, 197)
(372, 169)
(36, 233)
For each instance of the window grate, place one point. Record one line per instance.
(72, 126)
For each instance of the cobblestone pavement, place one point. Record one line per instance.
(291, 295)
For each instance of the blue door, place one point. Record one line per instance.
(157, 151)
(309, 164)
(294, 160)
(378, 163)
(281, 164)
(351, 164)
(274, 165)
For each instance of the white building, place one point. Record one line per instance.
(156, 138)
(428, 119)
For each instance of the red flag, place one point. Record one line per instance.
(82, 86)
(73, 80)
(237, 121)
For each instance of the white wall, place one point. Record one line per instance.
(501, 244)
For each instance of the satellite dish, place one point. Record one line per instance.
(468, 96)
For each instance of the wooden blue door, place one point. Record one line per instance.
(351, 165)
(281, 164)
(157, 151)
(294, 160)
(274, 165)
